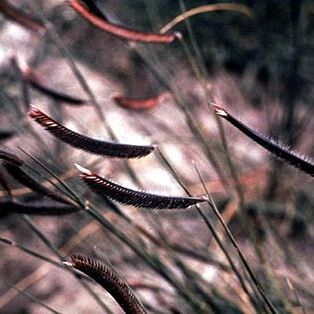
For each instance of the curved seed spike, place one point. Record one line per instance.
(108, 189)
(21, 176)
(11, 158)
(302, 163)
(4, 184)
(21, 17)
(31, 78)
(35, 208)
(109, 280)
(138, 103)
(5, 134)
(88, 144)
(122, 32)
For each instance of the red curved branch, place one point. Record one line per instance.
(21, 17)
(119, 31)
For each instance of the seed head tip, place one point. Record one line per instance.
(82, 169)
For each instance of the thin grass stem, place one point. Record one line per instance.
(256, 282)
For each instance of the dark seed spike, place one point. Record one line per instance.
(35, 208)
(108, 189)
(21, 176)
(11, 158)
(86, 143)
(4, 183)
(56, 95)
(302, 163)
(5, 134)
(21, 17)
(110, 281)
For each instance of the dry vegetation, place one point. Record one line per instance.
(152, 120)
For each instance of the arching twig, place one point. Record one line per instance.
(122, 32)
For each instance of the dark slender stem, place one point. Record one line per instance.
(236, 246)
(211, 228)
(31, 297)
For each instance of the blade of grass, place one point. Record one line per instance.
(211, 229)
(236, 7)
(149, 260)
(52, 247)
(256, 282)
(153, 262)
(30, 297)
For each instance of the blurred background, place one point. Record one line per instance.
(253, 58)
